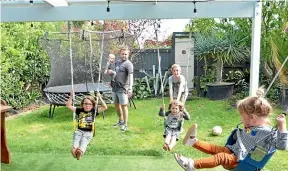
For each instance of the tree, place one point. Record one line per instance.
(153, 44)
(24, 64)
(273, 18)
(279, 44)
(222, 48)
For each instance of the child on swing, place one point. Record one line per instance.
(86, 116)
(174, 122)
(254, 113)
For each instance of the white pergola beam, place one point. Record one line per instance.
(57, 3)
(77, 10)
(161, 10)
(255, 49)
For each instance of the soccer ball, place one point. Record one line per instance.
(216, 130)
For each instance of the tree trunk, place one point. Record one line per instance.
(219, 71)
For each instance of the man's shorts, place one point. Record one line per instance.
(120, 98)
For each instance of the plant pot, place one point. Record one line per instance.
(283, 97)
(220, 91)
(203, 93)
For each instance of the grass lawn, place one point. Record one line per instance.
(38, 143)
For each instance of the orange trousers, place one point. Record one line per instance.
(221, 156)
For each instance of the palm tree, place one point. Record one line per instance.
(279, 46)
(224, 48)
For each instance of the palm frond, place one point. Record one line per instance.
(279, 48)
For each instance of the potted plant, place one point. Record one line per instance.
(224, 49)
(279, 46)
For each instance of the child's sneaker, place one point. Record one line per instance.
(119, 123)
(186, 163)
(191, 136)
(78, 154)
(124, 128)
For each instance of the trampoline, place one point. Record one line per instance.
(58, 95)
(78, 61)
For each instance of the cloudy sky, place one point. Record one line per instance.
(168, 26)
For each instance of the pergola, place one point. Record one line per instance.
(76, 10)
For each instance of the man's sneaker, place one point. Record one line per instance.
(124, 128)
(119, 123)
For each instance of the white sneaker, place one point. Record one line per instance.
(191, 136)
(119, 123)
(186, 163)
(124, 128)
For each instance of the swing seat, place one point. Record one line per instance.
(250, 162)
(255, 160)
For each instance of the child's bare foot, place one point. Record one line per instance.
(165, 147)
(169, 147)
(78, 154)
(73, 152)
(191, 136)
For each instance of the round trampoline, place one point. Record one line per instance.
(79, 59)
(78, 88)
(59, 94)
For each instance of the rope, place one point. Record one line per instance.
(91, 55)
(71, 66)
(100, 63)
(276, 76)
(99, 77)
(159, 70)
(159, 62)
(101, 56)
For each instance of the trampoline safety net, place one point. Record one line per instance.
(86, 57)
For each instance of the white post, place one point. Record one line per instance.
(255, 49)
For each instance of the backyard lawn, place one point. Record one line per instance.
(38, 143)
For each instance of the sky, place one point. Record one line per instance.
(168, 26)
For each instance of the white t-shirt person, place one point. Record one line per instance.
(177, 85)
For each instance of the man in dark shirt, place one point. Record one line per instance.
(122, 87)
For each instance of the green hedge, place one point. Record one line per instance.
(24, 64)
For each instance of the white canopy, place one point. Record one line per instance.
(69, 10)
(76, 10)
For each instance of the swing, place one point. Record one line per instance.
(99, 76)
(156, 27)
(258, 156)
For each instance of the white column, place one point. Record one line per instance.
(255, 49)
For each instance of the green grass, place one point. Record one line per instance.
(37, 142)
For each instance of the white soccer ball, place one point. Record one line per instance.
(216, 130)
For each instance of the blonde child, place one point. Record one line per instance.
(109, 66)
(86, 116)
(174, 122)
(177, 85)
(254, 113)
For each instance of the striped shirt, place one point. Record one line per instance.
(263, 136)
(174, 121)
